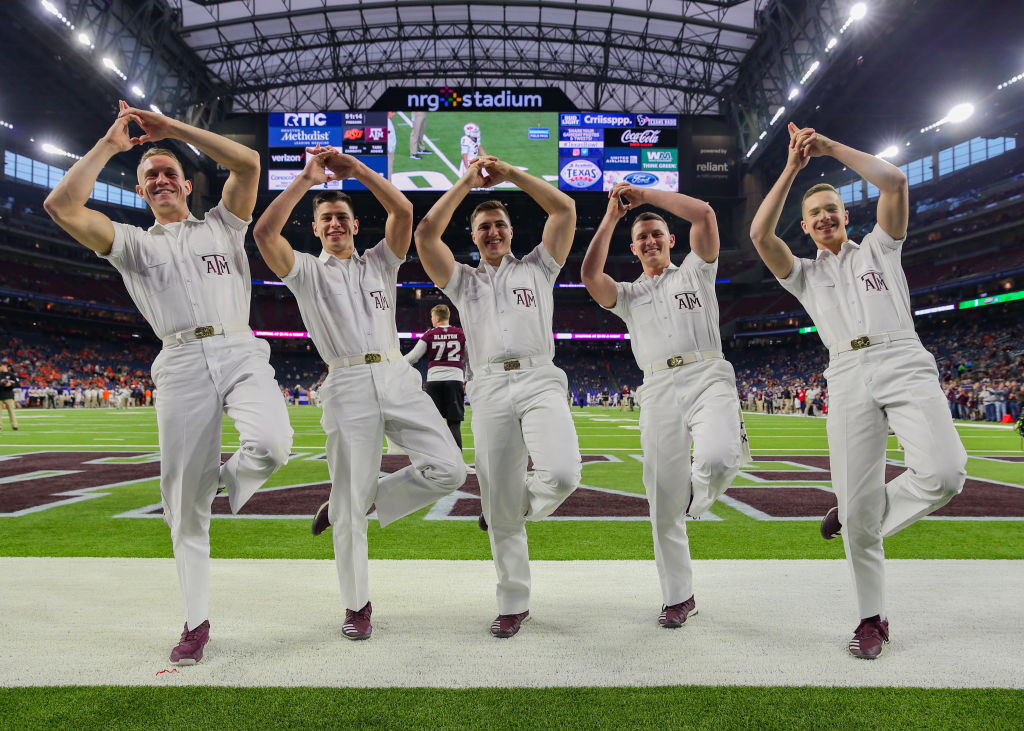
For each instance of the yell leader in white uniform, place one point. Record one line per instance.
(689, 390)
(190, 280)
(518, 394)
(347, 302)
(879, 374)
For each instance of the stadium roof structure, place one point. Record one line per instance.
(745, 59)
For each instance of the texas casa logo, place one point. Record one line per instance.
(449, 98)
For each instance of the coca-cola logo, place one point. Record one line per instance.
(642, 137)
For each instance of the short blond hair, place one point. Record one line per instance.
(491, 205)
(819, 188)
(441, 311)
(154, 151)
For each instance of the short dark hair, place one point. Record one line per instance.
(153, 152)
(491, 205)
(817, 189)
(648, 216)
(330, 196)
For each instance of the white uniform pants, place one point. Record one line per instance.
(199, 382)
(419, 123)
(518, 415)
(698, 404)
(895, 383)
(361, 405)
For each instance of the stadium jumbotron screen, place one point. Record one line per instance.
(596, 150)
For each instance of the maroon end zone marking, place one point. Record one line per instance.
(980, 498)
(1007, 459)
(42, 491)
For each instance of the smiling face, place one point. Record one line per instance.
(336, 226)
(652, 244)
(492, 234)
(163, 186)
(825, 219)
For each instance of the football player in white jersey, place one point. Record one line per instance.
(470, 146)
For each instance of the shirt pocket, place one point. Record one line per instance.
(156, 272)
(522, 292)
(823, 287)
(376, 296)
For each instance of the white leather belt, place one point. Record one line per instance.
(203, 331)
(513, 364)
(363, 359)
(680, 360)
(866, 341)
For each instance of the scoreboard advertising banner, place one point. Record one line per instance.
(363, 135)
(596, 150)
(426, 148)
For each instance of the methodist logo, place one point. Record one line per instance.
(449, 98)
(580, 173)
(641, 179)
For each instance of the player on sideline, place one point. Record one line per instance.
(446, 374)
(689, 391)
(347, 303)
(470, 146)
(518, 394)
(190, 280)
(878, 372)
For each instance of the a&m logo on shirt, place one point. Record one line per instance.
(380, 300)
(873, 282)
(524, 297)
(688, 300)
(216, 264)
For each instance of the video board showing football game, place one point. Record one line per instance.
(432, 149)
(596, 150)
(363, 135)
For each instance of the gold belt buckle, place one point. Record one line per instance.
(511, 365)
(675, 361)
(372, 358)
(204, 331)
(862, 342)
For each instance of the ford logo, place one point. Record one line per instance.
(641, 179)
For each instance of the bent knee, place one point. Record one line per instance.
(447, 476)
(563, 480)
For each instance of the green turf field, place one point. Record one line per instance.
(503, 134)
(90, 528)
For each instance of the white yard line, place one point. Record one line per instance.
(593, 623)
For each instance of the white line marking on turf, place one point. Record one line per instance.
(437, 151)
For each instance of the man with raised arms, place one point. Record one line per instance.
(518, 395)
(688, 396)
(879, 375)
(347, 303)
(190, 279)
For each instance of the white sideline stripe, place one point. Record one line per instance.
(435, 148)
(594, 623)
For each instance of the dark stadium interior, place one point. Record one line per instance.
(63, 311)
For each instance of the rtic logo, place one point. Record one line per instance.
(216, 264)
(688, 300)
(524, 297)
(644, 137)
(873, 282)
(305, 119)
(380, 299)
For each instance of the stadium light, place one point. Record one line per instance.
(109, 63)
(751, 150)
(138, 92)
(6, 125)
(52, 10)
(85, 40)
(810, 70)
(155, 108)
(857, 12)
(1010, 81)
(832, 43)
(54, 150)
(764, 133)
(959, 113)
(793, 94)
(778, 115)
(888, 152)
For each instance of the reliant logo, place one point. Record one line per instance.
(305, 119)
(449, 98)
(712, 167)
